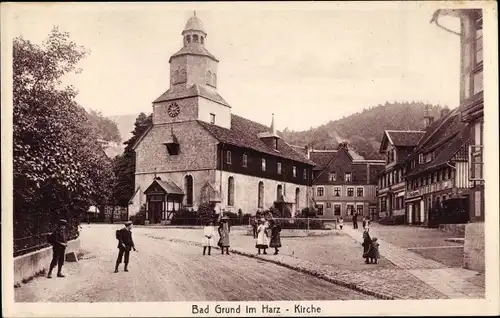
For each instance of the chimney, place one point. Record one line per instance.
(444, 111)
(307, 150)
(428, 118)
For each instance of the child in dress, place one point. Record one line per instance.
(375, 254)
(208, 237)
(262, 237)
(367, 247)
(341, 222)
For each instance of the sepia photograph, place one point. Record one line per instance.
(232, 159)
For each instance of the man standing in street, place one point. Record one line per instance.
(125, 244)
(59, 242)
(355, 220)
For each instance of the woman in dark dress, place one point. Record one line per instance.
(275, 236)
(367, 247)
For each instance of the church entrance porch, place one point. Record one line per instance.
(163, 198)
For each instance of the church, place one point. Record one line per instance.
(197, 151)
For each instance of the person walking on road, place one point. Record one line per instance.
(125, 245)
(58, 239)
(253, 223)
(224, 230)
(208, 237)
(341, 222)
(366, 223)
(375, 255)
(275, 236)
(262, 238)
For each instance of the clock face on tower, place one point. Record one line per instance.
(173, 110)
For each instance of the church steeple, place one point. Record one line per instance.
(193, 32)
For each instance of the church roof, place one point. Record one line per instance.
(194, 24)
(245, 133)
(195, 90)
(194, 49)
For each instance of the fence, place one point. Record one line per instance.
(305, 223)
(28, 244)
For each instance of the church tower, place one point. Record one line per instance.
(193, 83)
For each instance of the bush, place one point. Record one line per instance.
(186, 217)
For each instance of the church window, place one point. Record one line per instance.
(294, 170)
(261, 195)
(263, 164)
(304, 174)
(279, 191)
(279, 167)
(228, 157)
(297, 199)
(230, 191)
(176, 77)
(202, 40)
(195, 38)
(212, 118)
(188, 38)
(183, 76)
(188, 189)
(214, 80)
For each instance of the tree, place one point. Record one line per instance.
(105, 127)
(59, 167)
(124, 165)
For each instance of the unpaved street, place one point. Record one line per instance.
(168, 271)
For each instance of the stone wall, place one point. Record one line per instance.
(198, 150)
(28, 265)
(246, 189)
(474, 258)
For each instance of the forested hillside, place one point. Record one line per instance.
(363, 130)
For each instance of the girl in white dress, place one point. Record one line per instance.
(208, 237)
(262, 237)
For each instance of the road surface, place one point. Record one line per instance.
(167, 271)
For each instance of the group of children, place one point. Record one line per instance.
(370, 248)
(266, 232)
(209, 236)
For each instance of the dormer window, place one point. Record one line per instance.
(421, 158)
(276, 144)
(245, 160)
(348, 176)
(332, 176)
(173, 147)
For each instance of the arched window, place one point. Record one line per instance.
(188, 38)
(176, 77)
(230, 191)
(195, 38)
(297, 199)
(188, 190)
(202, 40)
(214, 80)
(209, 78)
(261, 195)
(183, 76)
(279, 191)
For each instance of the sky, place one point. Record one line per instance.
(306, 64)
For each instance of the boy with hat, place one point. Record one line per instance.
(59, 242)
(125, 244)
